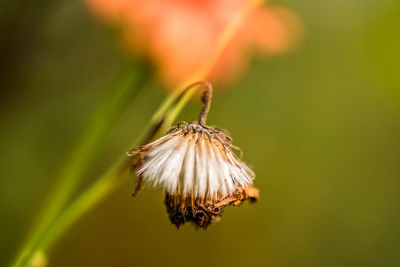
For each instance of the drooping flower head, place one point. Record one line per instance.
(195, 165)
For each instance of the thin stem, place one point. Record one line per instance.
(206, 98)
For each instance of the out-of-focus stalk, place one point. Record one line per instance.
(127, 85)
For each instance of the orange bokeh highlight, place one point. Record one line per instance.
(179, 36)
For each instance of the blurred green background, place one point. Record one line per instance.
(320, 125)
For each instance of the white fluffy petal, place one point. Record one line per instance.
(201, 169)
(227, 186)
(170, 174)
(216, 174)
(156, 159)
(189, 167)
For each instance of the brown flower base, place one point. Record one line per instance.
(205, 213)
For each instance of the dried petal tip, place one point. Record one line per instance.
(203, 214)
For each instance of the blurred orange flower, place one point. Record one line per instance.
(180, 35)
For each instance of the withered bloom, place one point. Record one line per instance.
(195, 165)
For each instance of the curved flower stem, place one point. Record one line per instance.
(205, 98)
(125, 88)
(118, 172)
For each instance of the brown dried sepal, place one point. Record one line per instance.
(204, 213)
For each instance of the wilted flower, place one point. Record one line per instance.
(180, 36)
(196, 167)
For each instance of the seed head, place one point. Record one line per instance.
(195, 165)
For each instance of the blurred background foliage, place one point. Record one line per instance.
(320, 125)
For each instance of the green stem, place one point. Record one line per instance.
(107, 183)
(115, 102)
(103, 187)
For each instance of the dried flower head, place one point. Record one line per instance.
(195, 165)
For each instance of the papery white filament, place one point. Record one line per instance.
(194, 164)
